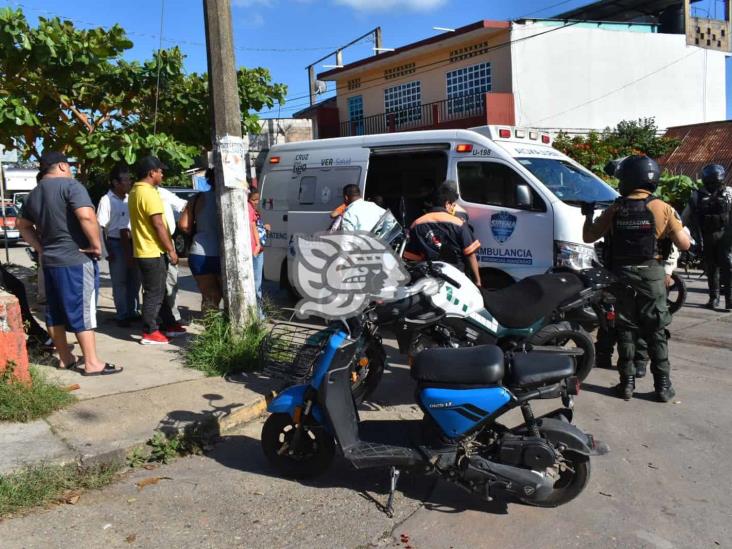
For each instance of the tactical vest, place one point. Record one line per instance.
(634, 233)
(713, 210)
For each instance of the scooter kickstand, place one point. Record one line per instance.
(394, 478)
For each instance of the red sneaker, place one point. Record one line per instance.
(154, 338)
(175, 330)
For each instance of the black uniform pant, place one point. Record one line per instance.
(718, 263)
(642, 312)
(606, 340)
(12, 284)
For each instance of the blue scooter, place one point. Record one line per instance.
(462, 392)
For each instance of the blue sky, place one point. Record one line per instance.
(301, 30)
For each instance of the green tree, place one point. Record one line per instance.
(70, 89)
(628, 137)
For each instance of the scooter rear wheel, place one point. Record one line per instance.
(568, 485)
(311, 457)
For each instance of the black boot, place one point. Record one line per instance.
(713, 302)
(727, 303)
(640, 369)
(625, 388)
(664, 389)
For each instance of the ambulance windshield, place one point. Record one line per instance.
(569, 183)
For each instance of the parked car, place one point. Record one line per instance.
(182, 241)
(10, 232)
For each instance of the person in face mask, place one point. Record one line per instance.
(709, 215)
(635, 225)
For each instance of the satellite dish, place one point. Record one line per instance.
(320, 87)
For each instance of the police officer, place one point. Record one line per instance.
(708, 215)
(635, 224)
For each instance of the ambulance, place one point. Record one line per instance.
(522, 195)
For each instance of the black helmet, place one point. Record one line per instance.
(637, 172)
(612, 166)
(712, 176)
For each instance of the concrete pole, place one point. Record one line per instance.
(311, 84)
(236, 250)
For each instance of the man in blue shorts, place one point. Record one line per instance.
(59, 222)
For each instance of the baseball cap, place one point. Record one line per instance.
(50, 158)
(147, 164)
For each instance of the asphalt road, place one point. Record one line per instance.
(664, 484)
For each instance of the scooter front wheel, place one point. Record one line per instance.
(294, 454)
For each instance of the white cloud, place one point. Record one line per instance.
(254, 21)
(383, 5)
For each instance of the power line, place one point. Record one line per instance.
(542, 9)
(624, 86)
(160, 64)
(169, 40)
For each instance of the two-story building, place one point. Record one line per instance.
(570, 72)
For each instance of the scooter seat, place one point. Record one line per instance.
(524, 303)
(539, 368)
(480, 365)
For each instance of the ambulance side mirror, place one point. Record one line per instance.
(523, 196)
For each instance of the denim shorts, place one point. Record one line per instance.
(204, 264)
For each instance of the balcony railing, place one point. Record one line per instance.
(431, 115)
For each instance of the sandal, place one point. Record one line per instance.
(73, 367)
(108, 370)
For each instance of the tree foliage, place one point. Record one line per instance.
(628, 137)
(70, 89)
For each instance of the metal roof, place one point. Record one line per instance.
(619, 10)
(701, 144)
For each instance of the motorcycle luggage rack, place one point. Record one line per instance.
(289, 351)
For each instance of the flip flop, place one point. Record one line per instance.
(108, 370)
(73, 367)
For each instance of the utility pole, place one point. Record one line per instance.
(229, 157)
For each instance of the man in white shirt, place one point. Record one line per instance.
(174, 206)
(360, 215)
(113, 217)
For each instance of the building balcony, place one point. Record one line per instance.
(461, 112)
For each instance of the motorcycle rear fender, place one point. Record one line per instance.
(561, 432)
(291, 398)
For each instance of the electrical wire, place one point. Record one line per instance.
(540, 10)
(624, 86)
(160, 64)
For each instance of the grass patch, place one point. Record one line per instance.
(39, 485)
(218, 351)
(21, 402)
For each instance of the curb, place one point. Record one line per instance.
(222, 425)
(242, 415)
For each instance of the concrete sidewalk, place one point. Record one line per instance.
(116, 413)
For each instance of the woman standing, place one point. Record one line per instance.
(259, 238)
(200, 219)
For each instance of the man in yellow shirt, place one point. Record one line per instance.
(152, 248)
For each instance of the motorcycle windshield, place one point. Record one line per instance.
(388, 229)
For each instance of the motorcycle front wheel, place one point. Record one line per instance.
(366, 372)
(308, 456)
(569, 335)
(676, 293)
(569, 482)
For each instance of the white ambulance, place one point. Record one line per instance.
(522, 195)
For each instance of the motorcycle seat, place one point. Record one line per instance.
(529, 300)
(539, 368)
(480, 365)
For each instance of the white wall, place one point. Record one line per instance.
(591, 78)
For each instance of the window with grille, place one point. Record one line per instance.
(355, 114)
(405, 101)
(466, 86)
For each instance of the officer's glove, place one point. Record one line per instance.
(588, 208)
